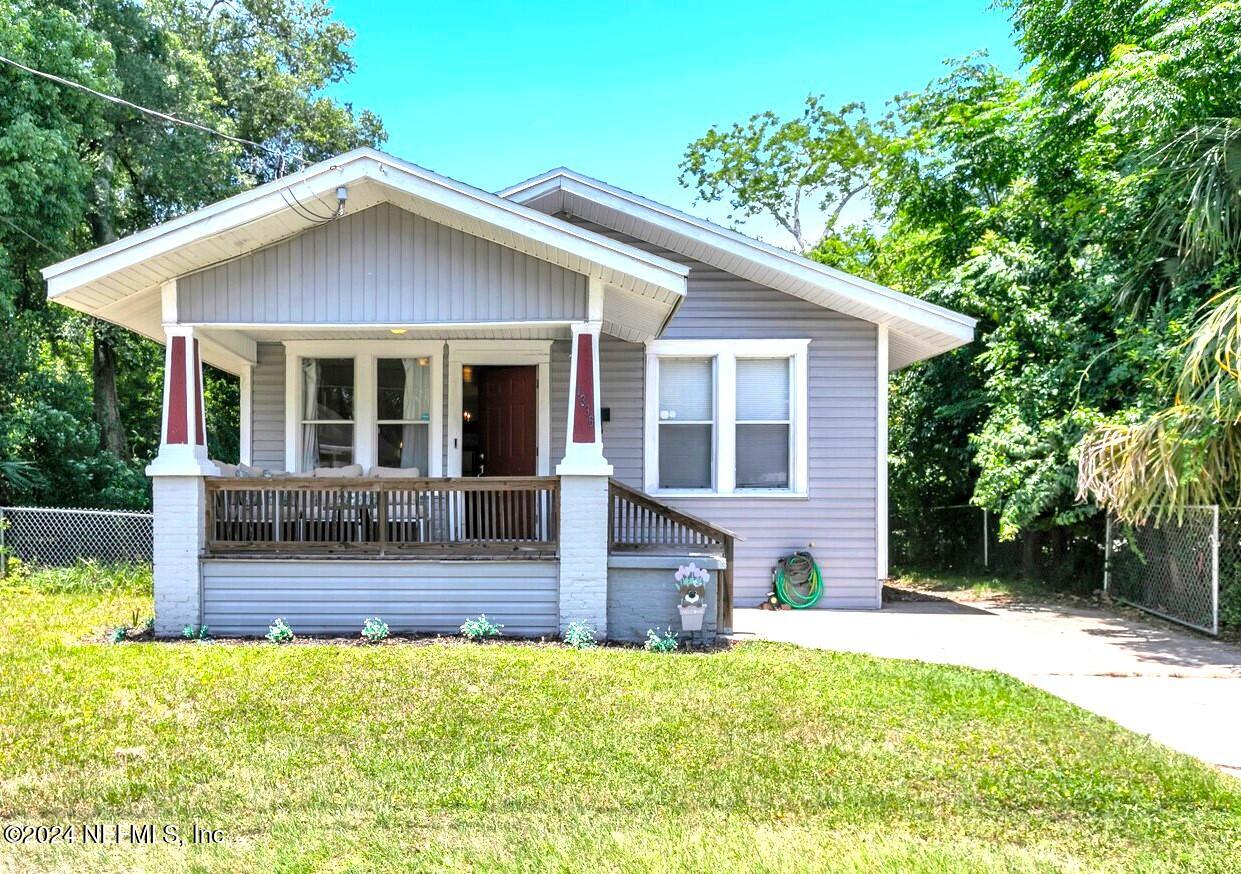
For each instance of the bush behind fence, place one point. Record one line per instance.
(965, 539)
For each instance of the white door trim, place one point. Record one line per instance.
(513, 352)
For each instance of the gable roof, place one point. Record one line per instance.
(106, 281)
(917, 329)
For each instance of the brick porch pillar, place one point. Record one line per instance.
(584, 474)
(177, 490)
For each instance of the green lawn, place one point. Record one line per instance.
(501, 757)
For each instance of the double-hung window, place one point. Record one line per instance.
(726, 417)
(403, 408)
(686, 423)
(764, 423)
(375, 403)
(327, 421)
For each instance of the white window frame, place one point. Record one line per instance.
(500, 352)
(365, 424)
(431, 402)
(725, 354)
(790, 362)
(301, 422)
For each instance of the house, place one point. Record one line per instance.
(533, 404)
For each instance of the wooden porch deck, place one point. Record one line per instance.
(486, 518)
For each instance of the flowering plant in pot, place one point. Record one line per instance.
(691, 582)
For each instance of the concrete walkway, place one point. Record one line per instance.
(1180, 688)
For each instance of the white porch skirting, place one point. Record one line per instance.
(242, 596)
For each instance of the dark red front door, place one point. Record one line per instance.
(508, 420)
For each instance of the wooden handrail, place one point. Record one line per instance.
(639, 522)
(296, 515)
(304, 482)
(642, 499)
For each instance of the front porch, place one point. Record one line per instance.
(426, 553)
(354, 526)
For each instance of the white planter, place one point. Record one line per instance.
(691, 618)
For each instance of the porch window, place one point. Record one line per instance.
(726, 417)
(764, 426)
(686, 423)
(403, 407)
(327, 421)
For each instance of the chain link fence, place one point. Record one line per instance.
(63, 536)
(966, 539)
(1171, 570)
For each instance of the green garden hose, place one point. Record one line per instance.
(798, 581)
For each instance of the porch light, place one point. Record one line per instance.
(397, 330)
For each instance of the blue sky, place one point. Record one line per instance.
(492, 93)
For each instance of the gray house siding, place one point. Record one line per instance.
(317, 597)
(838, 520)
(267, 408)
(382, 265)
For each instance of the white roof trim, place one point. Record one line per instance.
(933, 329)
(651, 271)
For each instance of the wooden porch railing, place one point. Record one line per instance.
(639, 523)
(509, 517)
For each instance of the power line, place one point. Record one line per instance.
(27, 235)
(120, 101)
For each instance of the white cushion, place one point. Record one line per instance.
(347, 472)
(393, 472)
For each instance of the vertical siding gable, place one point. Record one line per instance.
(382, 265)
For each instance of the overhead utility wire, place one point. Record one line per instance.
(27, 234)
(120, 101)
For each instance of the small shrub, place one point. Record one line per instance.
(481, 628)
(279, 632)
(374, 629)
(656, 642)
(580, 635)
(192, 632)
(119, 634)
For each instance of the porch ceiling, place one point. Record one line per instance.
(120, 282)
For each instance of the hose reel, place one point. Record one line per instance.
(798, 581)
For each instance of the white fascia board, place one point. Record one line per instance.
(884, 300)
(359, 164)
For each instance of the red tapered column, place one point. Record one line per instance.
(183, 449)
(584, 440)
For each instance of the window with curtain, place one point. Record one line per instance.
(327, 412)
(403, 408)
(686, 423)
(763, 423)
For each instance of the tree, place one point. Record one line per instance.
(85, 171)
(1084, 212)
(776, 168)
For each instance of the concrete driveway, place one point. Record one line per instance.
(1179, 688)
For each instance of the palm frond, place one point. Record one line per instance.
(1152, 470)
(1195, 220)
(1187, 454)
(18, 475)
